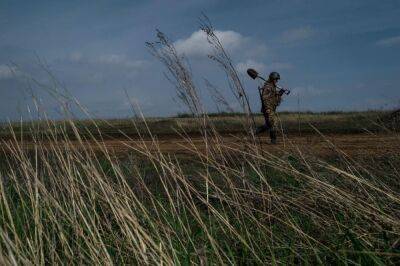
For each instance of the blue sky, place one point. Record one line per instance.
(335, 55)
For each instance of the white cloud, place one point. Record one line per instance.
(254, 49)
(389, 41)
(7, 72)
(243, 66)
(298, 34)
(75, 57)
(121, 60)
(109, 59)
(197, 44)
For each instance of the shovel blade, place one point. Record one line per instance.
(252, 73)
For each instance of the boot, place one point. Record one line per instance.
(272, 135)
(261, 129)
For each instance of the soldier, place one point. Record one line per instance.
(270, 99)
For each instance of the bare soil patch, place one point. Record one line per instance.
(312, 144)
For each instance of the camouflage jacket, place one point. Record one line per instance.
(270, 96)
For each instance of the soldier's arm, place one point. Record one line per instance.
(261, 92)
(281, 92)
(264, 95)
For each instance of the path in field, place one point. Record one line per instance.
(351, 144)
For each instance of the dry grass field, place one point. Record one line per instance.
(201, 191)
(322, 134)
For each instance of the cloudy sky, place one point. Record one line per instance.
(335, 55)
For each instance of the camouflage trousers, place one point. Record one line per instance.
(271, 121)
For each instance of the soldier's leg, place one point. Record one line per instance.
(261, 129)
(272, 135)
(264, 127)
(274, 126)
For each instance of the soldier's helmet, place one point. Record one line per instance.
(274, 76)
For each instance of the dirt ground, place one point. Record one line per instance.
(366, 144)
(351, 144)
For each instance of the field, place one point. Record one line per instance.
(204, 190)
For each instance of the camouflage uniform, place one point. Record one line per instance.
(270, 98)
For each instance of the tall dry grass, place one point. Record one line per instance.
(79, 203)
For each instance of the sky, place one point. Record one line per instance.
(334, 55)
